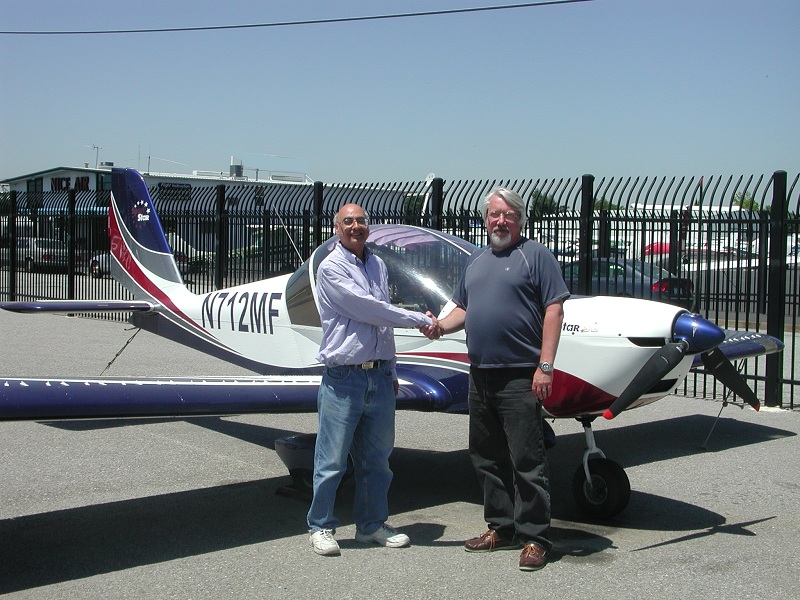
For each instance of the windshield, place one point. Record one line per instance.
(424, 267)
(49, 244)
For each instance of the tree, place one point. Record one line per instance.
(542, 204)
(603, 204)
(745, 201)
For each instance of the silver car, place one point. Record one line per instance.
(38, 254)
(100, 265)
(625, 277)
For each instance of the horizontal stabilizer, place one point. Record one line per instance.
(77, 306)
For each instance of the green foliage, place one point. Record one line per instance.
(745, 201)
(412, 204)
(603, 204)
(542, 204)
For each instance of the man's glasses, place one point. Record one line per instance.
(359, 220)
(510, 215)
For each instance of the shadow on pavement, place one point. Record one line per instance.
(69, 544)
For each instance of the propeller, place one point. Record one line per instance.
(691, 334)
(720, 367)
(658, 365)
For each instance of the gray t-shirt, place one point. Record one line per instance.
(505, 294)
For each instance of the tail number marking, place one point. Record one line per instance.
(247, 312)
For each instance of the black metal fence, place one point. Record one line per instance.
(735, 239)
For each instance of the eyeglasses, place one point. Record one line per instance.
(351, 220)
(510, 215)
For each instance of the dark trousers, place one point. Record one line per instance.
(507, 449)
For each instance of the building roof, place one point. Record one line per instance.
(53, 170)
(271, 176)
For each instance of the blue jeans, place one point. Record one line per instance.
(507, 450)
(356, 415)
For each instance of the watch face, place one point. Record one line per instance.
(546, 367)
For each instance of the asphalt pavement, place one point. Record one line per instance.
(188, 508)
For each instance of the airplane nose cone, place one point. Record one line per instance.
(700, 334)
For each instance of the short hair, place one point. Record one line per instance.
(336, 215)
(512, 198)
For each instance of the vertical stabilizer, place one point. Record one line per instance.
(142, 259)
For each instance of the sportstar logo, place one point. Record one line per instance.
(141, 211)
(575, 328)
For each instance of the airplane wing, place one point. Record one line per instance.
(54, 398)
(739, 345)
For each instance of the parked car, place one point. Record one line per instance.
(39, 254)
(637, 279)
(100, 264)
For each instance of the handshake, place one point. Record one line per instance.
(433, 331)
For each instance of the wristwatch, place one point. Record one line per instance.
(546, 367)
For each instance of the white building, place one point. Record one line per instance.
(85, 179)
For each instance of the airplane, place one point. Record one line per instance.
(614, 354)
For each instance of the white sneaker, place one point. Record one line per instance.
(384, 536)
(323, 543)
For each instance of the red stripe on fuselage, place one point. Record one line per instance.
(454, 356)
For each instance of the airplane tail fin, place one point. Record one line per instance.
(142, 259)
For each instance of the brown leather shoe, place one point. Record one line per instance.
(489, 542)
(533, 557)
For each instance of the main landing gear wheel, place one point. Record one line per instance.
(600, 486)
(297, 453)
(608, 492)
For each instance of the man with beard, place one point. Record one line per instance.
(510, 301)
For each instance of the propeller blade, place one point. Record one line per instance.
(658, 365)
(720, 367)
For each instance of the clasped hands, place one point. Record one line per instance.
(433, 331)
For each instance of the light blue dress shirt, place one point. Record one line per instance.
(355, 309)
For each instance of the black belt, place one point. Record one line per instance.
(369, 364)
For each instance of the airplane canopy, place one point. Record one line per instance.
(424, 267)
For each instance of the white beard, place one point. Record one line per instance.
(500, 239)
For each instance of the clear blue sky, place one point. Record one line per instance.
(608, 87)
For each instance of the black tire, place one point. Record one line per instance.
(303, 479)
(609, 493)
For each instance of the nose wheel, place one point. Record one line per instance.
(600, 486)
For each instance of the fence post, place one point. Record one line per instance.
(776, 283)
(221, 238)
(317, 217)
(12, 240)
(71, 244)
(586, 221)
(437, 196)
(762, 274)
(603, 234)
(677, 235)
